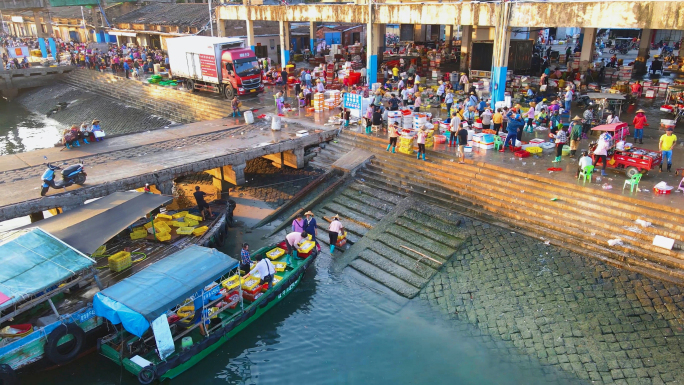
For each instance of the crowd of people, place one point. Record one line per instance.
(129, 60)
(72, 137)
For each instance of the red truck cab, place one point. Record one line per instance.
(241, 70)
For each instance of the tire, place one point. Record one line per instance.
(67, 351)
(631, 171)
(80, 179)
(190, 85)
(8, 376)
(147, 375)
(229, 92)
(44, 191)
(612, 51)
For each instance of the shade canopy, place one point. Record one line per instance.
(610, 127)
(88, 227)
(33, 261)
(605, 95)
(138, 300)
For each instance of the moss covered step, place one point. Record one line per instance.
(354, 229)
(417, 238)
(438, 253)
(360, 207)
(363, 198)
(436, 222)
(390, 267)
(429, 231)
(392, 197)
(419, 267)
(356, 216)
(395, 284)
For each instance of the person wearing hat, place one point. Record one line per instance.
(334, 231)
(449, 101)
(95, 127)
(421, 136)
(440, 91)
(541, 105)
(601, 151)
(575, 135)
(463, 83)
(639, 123)
(515, 123)
(554, 106)
(84, 132)
(666, 144)
(472, 100)
(393, 132)
(587, 118)
(311, 227)
(568, 98)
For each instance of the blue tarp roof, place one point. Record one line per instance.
(138, 300)
(31, 261)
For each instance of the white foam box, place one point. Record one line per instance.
(302, 133)
(486, 146)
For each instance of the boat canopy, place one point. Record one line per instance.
(34, 261)
(90, 226)
(141, 298)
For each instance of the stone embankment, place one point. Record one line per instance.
(79, 106)
(168, 102)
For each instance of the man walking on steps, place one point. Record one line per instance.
(667, 143)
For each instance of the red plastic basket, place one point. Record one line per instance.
(522, 154)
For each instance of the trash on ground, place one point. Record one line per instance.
(616, 241)
(664, 242)
(642, 223)
(606, 186)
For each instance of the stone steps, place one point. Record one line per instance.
(402, 287)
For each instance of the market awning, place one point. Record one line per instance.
(88, 227)
(605, 95)
(610, 127)
(33, 261)
(138, 300)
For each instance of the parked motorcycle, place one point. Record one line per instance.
(73, 174)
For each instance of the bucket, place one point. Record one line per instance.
(275, 123)
(186, 342)
(157, 67)
(249, 117)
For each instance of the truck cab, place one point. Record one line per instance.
(240, 69)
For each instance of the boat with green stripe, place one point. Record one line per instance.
(168, 317)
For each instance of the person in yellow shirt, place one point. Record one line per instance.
(497, 119)
(395, 73)
(667, 142)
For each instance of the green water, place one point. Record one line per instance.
(22, 130)
(336, 330)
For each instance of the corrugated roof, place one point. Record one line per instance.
(184, 15)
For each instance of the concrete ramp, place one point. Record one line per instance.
(352, 160)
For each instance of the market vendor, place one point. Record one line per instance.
(666, 144)
(311, 227)
(601, 151)
(334, 231)
(245, 260)
(266, 270)
(393, 132)
(575, 135)
(639, 123)
(584, 161)
(293, 240)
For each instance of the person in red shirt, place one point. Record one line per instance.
(639, 123)
(636, 89)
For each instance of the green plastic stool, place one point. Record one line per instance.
(633, 182)
(498, 143)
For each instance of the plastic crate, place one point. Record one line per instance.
(139, 228)
(193, 217)
(251, 297)
(200, 230)
(179, 215)
(120, 261)
(306, 247)
(280, 265)
(231, 282)
(521, 154)
(190, 222)
(275, 253)
(163, 237)
(185, 230)
(163, 217)
(176, 224)
(250, 283)
(341, 242)
(276, 279)
(138, 234)
(147, 225)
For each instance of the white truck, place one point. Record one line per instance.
(217, 64)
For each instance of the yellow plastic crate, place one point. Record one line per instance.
(120, 261)
(185, 230)
(193, 217)
(231, 282)
(275, 253)
(139, 228)
(306, 247)
(147, 225)
(190, 222)
(103, 249)
(179, 215)
(534, 150)
(176, 224)
(250, 283)
(138, 234)
(163, 217)
(276, 279)
(163, 237)
(200, 230)
(160, 227)
(341, 236)
(280, 265)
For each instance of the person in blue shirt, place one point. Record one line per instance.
(245, 260)
(472, 99)
(481, 106)
(449, 100)
(515, 122)
(127, 69)
(311, 227)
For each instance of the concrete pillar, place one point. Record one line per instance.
(284, 43)
(502, 42)
(35, 217)
(375, 41)
(448, 36)
(221, 27)
(466, 44)
(312, 37)
(166, 188)
(48, 23)
(588, 48)
(250, 34)
(644, 51)
(291, 158)
(234, 174)
(39, 25)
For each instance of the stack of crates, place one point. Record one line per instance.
(335, 96)
(120, 261)
(625, 72)
(406, 145)
(430, 140)
(319, 101)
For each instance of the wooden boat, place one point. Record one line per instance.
(173, 332)
(61, 309)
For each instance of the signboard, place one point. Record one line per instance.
(208, 65)
(17, 19)
(352, 101)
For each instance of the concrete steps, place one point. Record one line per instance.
(480, 190)
(170, 103)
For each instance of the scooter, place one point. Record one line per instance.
(73, 174)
